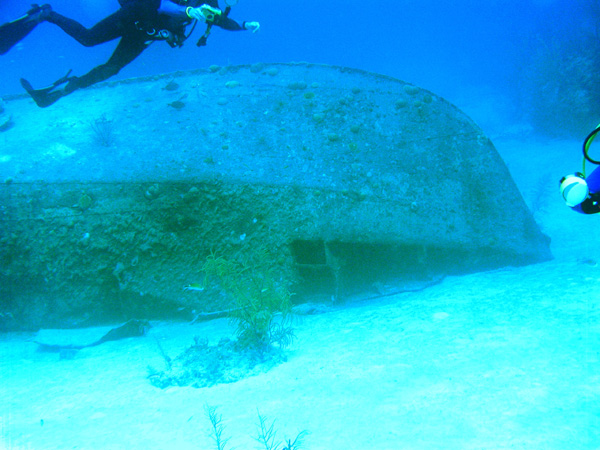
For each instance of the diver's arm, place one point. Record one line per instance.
(228, 24)
(220, 20)
(172, 9)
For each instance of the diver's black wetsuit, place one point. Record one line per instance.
(132, 23)
(121, 24)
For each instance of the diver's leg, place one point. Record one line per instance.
(129, 48)
(112, 27)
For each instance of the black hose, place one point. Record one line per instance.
(586, 145)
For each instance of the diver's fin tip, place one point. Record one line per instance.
(12, 33)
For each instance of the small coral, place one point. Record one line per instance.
(103, 131)
(257, 299)
(84, 202)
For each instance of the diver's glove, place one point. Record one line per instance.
(38, 13)
(204, 13)
(252, 26)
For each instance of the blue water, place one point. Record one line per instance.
(441, 46)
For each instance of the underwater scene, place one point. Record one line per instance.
(250, 224)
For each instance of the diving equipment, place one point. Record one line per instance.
(252, 26)
(204, 13)
(574, 189)
(209, 24)
(154, 34)
(12, 33)
(49, 95)
(586, 145)
(210, 13)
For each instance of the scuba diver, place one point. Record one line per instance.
(138, 23)
(581, 193)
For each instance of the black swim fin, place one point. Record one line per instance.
(12, 33)
(49, 95)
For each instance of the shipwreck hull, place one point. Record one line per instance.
(348, 181)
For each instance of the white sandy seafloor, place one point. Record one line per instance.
(507, 359)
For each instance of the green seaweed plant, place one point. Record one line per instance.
(217, 426)
(262, 306)
(267, 436)
(267, 433)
